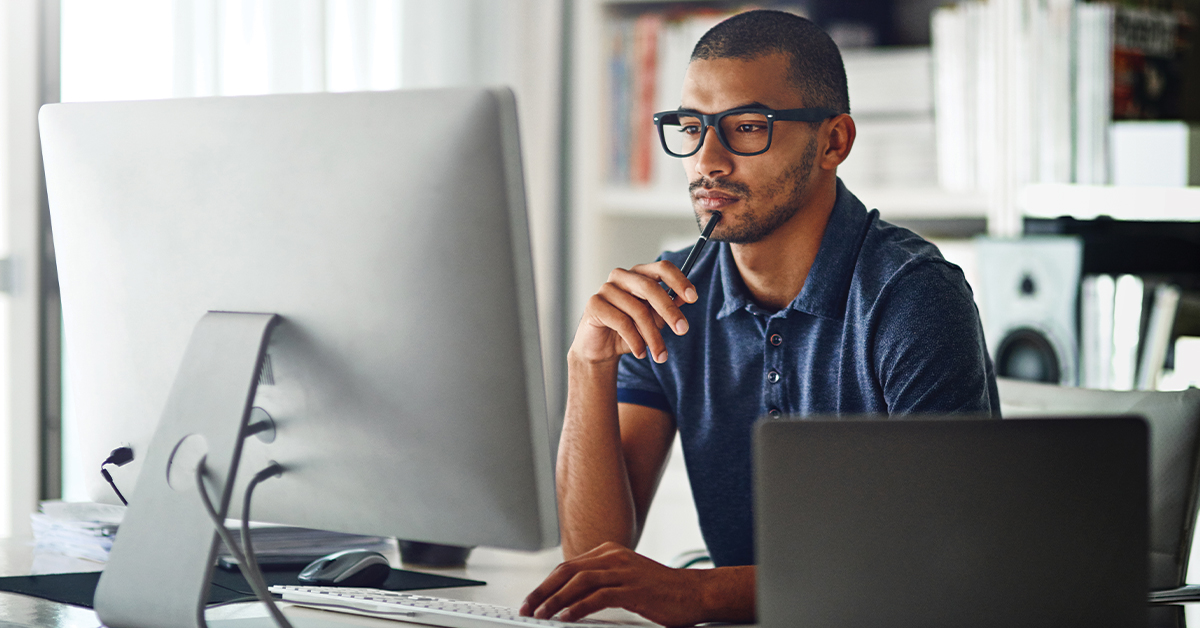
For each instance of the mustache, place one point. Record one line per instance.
(732, 187)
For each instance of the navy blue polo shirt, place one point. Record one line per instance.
(883, 325)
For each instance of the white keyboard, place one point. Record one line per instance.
(434, 611)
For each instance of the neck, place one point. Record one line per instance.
(775, 268)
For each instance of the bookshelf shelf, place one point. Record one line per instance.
(1086, 202)
(894, 203)
(923, 203)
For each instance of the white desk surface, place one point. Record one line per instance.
(510, 576)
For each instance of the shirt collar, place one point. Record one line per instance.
(828, 282)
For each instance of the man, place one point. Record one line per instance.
(807, 304)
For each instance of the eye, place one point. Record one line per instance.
(690, 129)
(750, 127)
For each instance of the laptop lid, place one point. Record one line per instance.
(957, 523)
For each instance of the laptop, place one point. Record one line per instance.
(952, 523)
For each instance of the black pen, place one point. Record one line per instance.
(699, 246)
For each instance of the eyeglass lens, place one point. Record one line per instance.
(743, 132)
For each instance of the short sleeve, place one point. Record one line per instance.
(930, 354)
(638, 384)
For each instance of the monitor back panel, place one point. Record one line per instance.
(388, 229)
(952, 523)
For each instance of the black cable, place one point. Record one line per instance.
(119, 456)
(113, 484)
(249, 569)
(272, 470)
(238, 591)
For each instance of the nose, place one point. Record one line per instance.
(712, 160)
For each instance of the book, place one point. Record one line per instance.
(1029, 103)
(1147, 65)
(1158, 336)
(1093, 92)
(1126, 335)
(620, 39)
(642, 133)
(1097, 294)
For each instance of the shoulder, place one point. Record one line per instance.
(896, 264)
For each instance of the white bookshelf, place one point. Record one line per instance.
(1086, 202)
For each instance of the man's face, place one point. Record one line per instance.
(754, 194)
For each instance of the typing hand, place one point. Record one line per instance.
(625, 316)
(614, 576)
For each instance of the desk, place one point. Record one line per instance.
(510, 577)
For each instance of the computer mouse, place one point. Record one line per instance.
(349, 568)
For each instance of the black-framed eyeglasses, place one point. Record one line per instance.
(744, 131)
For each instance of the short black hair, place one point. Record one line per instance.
(816, 64)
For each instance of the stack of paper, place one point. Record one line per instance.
(80, 530)
(87, 530)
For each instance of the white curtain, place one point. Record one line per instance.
(239, 47)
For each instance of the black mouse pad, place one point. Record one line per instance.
(78, 588)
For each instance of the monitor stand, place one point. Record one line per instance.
(161, 562)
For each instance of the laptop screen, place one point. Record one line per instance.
(951, 523)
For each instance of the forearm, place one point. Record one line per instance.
(595, 502)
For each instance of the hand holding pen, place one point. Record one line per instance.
(629, 311)
(694, 254)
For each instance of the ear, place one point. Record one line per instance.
(839, 135)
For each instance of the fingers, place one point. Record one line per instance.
(669, 274)
(565, 572)
(558, 578)
(647, 280)
(637, 324)
(583, 585)
(634, 306)
(593, 602)
(643, 283)
(613, 576)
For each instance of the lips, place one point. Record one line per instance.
(713, 200)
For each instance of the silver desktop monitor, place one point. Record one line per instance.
(355, 268)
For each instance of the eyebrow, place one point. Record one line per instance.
(748, 105)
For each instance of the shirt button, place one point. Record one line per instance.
(774, 414)
(776, 339)
(773, 377)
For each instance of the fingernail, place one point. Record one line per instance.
(681, 327)
(660, 358)
(690, 295)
